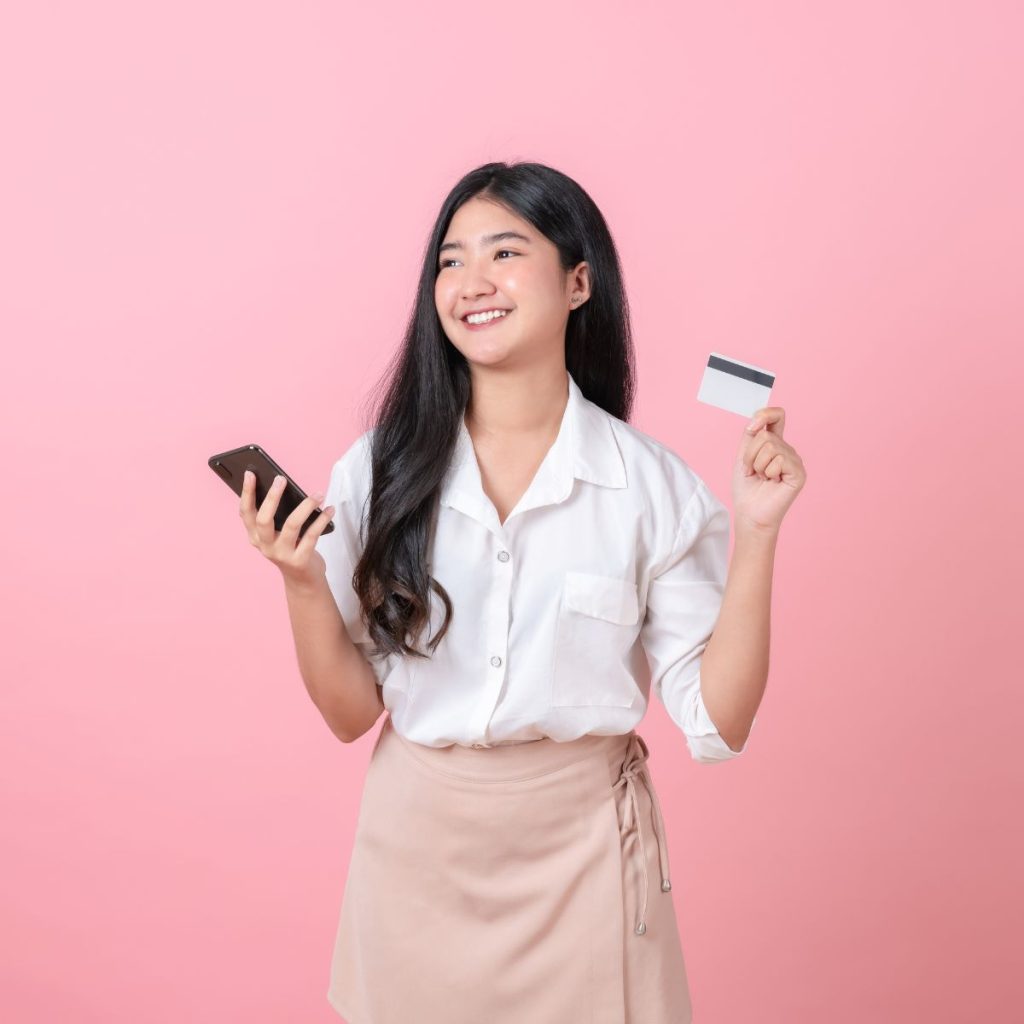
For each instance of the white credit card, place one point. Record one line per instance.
(734, 385)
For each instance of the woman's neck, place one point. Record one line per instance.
(511, 406)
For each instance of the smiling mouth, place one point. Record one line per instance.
(486, 323)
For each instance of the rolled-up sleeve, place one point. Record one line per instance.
(684, 598)
(347, 491)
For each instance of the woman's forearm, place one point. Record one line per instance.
(339, 680)
(734, 665)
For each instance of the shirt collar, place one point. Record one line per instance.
(585, 448)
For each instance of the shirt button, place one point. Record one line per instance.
(503, 556)
(495, 661)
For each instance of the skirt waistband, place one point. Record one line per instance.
(510, 762)
(521, 761)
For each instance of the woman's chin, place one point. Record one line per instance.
(489, 353)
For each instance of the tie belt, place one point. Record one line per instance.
(633, 768)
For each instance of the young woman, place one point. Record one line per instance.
(514, 570)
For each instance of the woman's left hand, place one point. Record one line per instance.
(768, 475)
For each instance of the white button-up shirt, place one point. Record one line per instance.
(603, 583)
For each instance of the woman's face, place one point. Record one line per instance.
(518, 273)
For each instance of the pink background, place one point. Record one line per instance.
(213, 216)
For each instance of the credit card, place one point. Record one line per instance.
(734, 385)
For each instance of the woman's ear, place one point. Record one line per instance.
(579, 284)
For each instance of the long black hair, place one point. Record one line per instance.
(426, 388)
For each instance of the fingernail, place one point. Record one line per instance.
(751, 425)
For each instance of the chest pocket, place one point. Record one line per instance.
(598, 621)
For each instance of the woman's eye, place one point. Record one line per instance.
(444, 263)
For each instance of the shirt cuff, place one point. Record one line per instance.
(703, 738)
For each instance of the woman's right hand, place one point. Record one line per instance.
(298, 560)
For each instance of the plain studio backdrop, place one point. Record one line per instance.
(213, 216)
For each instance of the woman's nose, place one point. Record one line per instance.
(475, 282)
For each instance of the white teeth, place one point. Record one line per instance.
(482, 318)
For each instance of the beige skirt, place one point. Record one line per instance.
(525, 883)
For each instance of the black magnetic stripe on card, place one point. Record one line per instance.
(745, 372)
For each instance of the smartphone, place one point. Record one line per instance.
(231, 466)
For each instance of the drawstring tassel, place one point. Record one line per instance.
(633, 768)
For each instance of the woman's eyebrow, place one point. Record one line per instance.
(501, 236)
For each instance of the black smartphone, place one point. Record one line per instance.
(231, 466)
